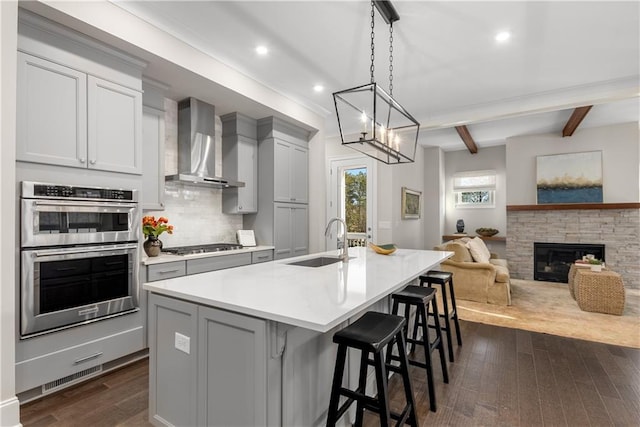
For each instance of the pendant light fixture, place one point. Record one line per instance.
(370, 120)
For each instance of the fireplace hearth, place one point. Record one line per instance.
(552, 261)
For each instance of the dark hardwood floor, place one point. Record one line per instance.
(501, 377)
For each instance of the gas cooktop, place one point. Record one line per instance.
(201, 249)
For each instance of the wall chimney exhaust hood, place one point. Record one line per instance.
(196, 146)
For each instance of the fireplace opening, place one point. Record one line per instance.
(551, 261)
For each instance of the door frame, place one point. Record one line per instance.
(335, 162)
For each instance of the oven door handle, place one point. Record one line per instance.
(52, 252)
(114, 205)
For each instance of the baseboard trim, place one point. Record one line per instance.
(10, 412)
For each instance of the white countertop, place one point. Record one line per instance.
(166, 257)
(316, 298)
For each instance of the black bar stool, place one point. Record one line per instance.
(371, 334)
(444, 278)
(421, 298)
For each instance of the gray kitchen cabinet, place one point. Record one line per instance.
(291, 230)
(167, 270)
(79, 103)
(282, 219)
(69, 118)
(51, 113)
(153, 136)
(261, 256)
(202, 265)
(232, 350)
(153, 159)
(114, 127)
(173, 335)
(240, 162)
(290, 172)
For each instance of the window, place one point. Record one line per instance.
(474, 189)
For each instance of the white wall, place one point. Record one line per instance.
(620, 146)
(9, 405)
(433, 196)
(490, 158)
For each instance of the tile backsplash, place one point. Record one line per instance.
(195, 212)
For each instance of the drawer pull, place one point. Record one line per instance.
(168, 271)
(86, 311)
(86, 359)
(262, 256)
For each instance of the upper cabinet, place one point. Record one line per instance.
(79, 103)
(153, 137)
(290, 172)
(240, 162)
(284, 161)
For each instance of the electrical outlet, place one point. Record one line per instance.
(182, 343)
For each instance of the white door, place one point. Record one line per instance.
(350, 201)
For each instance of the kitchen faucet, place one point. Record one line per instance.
(344, 254)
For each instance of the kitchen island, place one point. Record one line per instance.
(253, 345)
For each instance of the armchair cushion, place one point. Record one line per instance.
(479, 250)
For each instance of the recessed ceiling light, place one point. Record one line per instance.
(318, 88)
(262, 50)
(503, 36)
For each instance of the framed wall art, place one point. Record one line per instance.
(411, 203)
(569, 178)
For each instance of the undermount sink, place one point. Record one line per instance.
(317, 262)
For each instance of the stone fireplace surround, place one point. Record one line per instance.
(617, 229)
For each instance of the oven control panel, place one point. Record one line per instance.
(53, 191)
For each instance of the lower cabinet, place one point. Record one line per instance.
(207, 366)
(212, 367)
(291, 230)
(232, 350)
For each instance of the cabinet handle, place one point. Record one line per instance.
(263, 257)
(86, 359)
(293, 200)
(93, 162)
(81, 159)
(168, 271)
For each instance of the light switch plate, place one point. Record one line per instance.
(182, 343)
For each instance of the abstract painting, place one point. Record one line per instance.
(570, 178)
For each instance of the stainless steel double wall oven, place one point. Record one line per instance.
(79, 255)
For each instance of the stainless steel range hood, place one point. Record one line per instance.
(196, 146)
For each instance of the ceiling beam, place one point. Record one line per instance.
(575, 120)
(467, 139)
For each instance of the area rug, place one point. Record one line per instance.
(548, 307)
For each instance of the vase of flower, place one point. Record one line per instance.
(152, 228)
(152, 246)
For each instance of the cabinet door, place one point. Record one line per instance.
(248, 173)
(51, 114)
(300, 230)
(153, 159)
(115, 127)
(173, 349)
(282, 171)
(282, 231)
(232, 369)
(299, 174)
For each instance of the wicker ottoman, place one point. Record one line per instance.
(600, 292)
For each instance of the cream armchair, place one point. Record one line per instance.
(486, 282)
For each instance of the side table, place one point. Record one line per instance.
(572, 274)
(600, 292)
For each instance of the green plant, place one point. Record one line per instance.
(595, 261)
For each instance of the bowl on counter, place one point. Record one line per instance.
(487, 232)
(386, 249)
